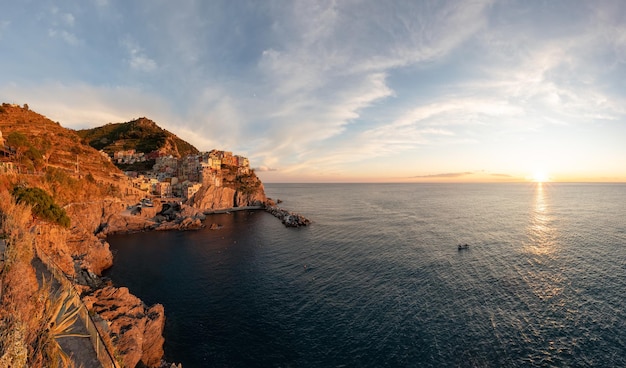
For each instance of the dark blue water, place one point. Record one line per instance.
(377, 280)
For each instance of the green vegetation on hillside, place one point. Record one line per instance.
(27, 154)
(140, 166)
(42, 203)
(142, 135)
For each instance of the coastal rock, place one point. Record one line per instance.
(51, 245)
(170, 211)
(91, 252)
(68, 249)
(90, 216)
(136, 331)
(153, 336)
(194, 213)
(122, 223)
(235, 191)
(289, 219)
(164, 216)
(186, 223)
(213, 198)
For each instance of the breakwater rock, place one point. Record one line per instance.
(289, 219)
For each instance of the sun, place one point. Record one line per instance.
(540, 177)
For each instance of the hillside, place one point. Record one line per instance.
(52, 157)
(142, 135)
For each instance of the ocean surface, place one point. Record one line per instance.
(378, 281)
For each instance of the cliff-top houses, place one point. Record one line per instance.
(182, 178)
(128, 157)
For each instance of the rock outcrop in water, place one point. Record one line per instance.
(289, 219)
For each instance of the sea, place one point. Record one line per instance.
(378, 279)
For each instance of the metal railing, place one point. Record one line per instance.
(105, 357)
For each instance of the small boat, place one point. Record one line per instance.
(463, 246)
(146, 202)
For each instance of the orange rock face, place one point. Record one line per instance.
(136, 331)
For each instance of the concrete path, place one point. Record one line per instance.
(79, 348)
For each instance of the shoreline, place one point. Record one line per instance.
(233, 209)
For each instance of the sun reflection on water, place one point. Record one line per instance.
(542, 245)
(540, 229)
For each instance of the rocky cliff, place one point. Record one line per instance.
(135, 329)
(236, 190)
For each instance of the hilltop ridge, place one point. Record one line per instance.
(142, 135)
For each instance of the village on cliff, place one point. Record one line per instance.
(173, 177)
(224, 180)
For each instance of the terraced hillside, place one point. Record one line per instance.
(142, 135)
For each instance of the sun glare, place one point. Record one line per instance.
(540, 177)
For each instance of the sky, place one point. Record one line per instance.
(340, 91)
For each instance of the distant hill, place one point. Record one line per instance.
(142, 135)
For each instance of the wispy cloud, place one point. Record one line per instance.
(61, 25)
(66, 36)
(137, 58)
(444, 175)
(264, 169)
(331, 67)
(502, 175)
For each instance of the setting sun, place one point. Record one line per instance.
(540, 177)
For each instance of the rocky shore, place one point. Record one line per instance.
(134, 329)
(162, 215)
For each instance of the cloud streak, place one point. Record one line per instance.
(444, 175)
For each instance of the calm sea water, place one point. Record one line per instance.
(377, 280)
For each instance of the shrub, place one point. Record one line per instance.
(42, 203)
